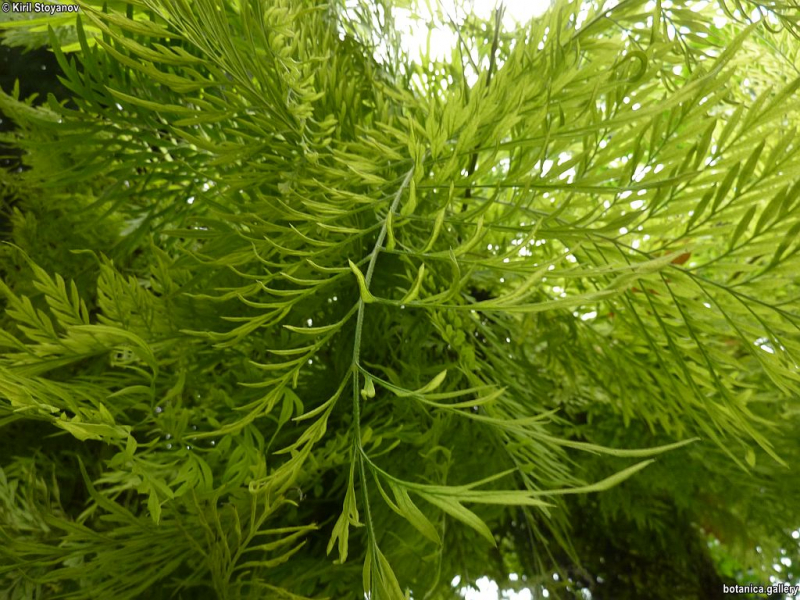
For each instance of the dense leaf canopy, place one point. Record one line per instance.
(293, 313)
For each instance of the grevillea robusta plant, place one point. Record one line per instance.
(290, 312)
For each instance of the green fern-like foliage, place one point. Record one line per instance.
(292, 314)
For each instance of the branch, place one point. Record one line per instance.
(358, 448)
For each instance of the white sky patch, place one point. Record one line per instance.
(518, 12)
(489, 590)
(765, 345)
(443, 40)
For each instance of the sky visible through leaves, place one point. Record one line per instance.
(439, 39)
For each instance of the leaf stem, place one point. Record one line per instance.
(358, 448)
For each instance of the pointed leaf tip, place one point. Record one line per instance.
(366, 296)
